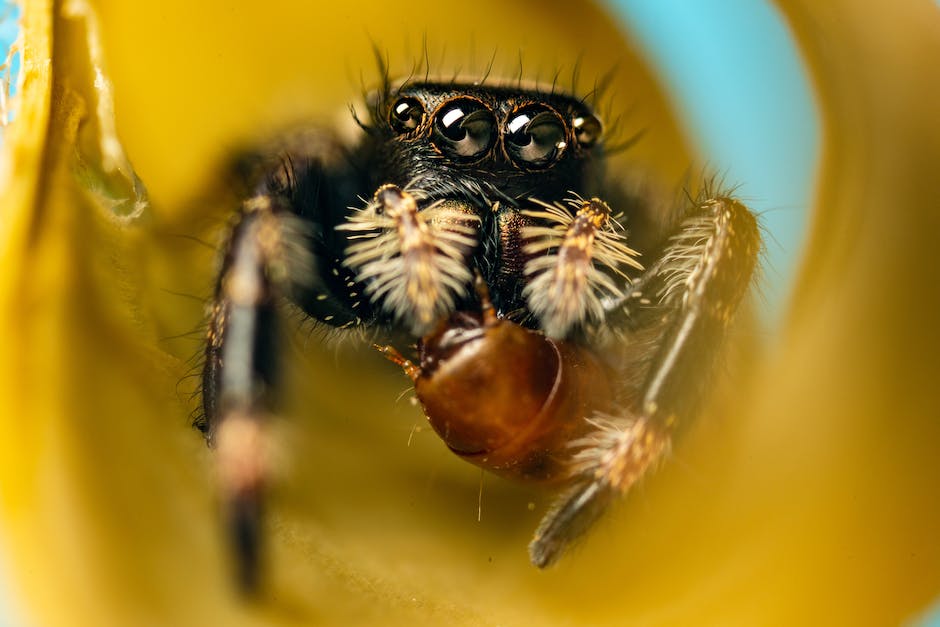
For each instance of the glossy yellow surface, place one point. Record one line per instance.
(811, 497)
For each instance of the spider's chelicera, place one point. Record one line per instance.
(477, 226)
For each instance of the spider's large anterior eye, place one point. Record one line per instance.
(406, 115)
(464, 130)
(535, 137)
(587, 130)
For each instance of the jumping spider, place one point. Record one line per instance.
(476, 225)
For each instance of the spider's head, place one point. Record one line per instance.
(487, 144)
(471, 178)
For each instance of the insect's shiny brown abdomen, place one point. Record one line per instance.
(508, 399)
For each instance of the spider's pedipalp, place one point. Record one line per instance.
(414, 262)
(574, 261)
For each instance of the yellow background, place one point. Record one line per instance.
(809, 495)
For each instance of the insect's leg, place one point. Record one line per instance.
(673, 320)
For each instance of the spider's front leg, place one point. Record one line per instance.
(668, 329)
(273, 252)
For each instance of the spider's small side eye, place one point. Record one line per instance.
(406, 115)
(587, 130)
(535, 137)
(464, 130)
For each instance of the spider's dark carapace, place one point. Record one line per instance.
(479, 229)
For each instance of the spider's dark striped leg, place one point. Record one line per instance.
(240, 371)
(270, 255)
(671, 323)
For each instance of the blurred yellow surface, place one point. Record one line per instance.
(811, 499)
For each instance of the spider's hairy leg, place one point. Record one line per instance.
(272, 253)
(670, 325)
(241, 371)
